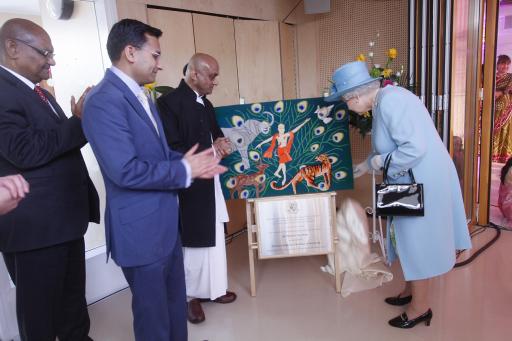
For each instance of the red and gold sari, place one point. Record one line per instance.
(502, 132)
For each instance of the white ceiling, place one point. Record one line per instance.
(20, 6)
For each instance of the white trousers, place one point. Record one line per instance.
(206, 273)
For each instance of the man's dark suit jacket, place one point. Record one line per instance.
(187, 122)
(45, 149)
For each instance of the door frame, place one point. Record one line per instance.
(489, 26)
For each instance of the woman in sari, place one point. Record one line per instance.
(502, 132)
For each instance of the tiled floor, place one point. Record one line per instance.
(296, 301)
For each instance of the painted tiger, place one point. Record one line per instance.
(309, 173)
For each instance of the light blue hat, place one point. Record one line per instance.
(347, 78)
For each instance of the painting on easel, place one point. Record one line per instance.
(286, 147)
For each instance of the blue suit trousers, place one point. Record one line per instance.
(159, 300)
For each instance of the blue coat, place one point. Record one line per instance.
(141, 174)
(426, 245)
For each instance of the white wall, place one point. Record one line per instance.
(79, 65)
(81, 59)
(8, 324)
(4, 16)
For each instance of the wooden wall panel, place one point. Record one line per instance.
(176, 43)
(254, 9)
(237, 215)
(216, 36)
(288, 60)
(131, 10)
(258, 60)
(308, 74)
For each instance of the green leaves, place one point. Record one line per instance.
(362, 122)
(163, 90)
(376, 72)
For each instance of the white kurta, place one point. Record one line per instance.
(206, 274)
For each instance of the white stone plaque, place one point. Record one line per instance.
(297, 226)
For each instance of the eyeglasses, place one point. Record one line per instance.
(42, 52)
(156, 55)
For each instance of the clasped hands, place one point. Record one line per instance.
(222, 146)
(205, 164)
(13, 189)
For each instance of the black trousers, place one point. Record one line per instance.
(50, 292)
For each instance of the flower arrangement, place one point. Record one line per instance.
(156, 91)
(363, 122)
(387, 74)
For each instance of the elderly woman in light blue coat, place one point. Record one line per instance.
(403, 128)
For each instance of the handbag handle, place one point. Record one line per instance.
(387, 161)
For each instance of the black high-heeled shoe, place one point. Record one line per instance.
(398, 300)
(402, 321)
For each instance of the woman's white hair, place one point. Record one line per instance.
(361, 90)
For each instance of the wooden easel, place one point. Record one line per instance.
(253, 226)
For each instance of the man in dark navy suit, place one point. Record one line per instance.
(42, 239)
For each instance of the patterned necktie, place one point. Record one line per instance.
(41, 94)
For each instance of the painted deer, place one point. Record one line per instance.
(246, 180)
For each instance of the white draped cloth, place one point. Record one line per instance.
(206, 273)
(362, 269)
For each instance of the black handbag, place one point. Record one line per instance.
(398, 199)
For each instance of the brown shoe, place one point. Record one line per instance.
(195, 311)
(224, 299)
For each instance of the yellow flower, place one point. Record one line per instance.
(150, 86)
(367, 114)
(392, 53)
(361, 58)
(386, 73)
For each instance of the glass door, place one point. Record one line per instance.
(446, 77)
(500, 193)
(466, 90)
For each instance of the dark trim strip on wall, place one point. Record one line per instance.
(199, 12)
